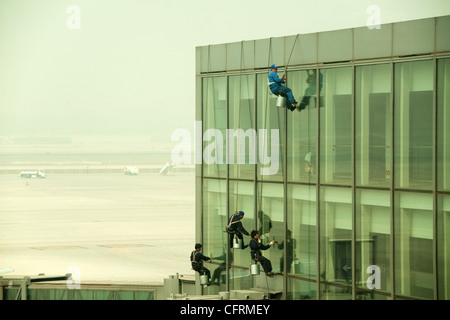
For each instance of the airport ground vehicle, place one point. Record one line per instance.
(132, 171)
(33, 174)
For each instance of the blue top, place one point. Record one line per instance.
(274, 81)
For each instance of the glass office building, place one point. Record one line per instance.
(356, 185)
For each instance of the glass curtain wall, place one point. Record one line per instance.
(373, 244)
(302, 126)
(373, 228)
(214, 126)
(373, 142)
(443, 178)
(242, 136)
(270, 219)
(242, 198)
(336, 126)
(443, 244)
(214, 217)
(301, 233)
(335, 260)
(299, 247)
(413, 245)
(271, 127)
(414, 126)
(443, 120)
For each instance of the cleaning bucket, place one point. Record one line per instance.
(254, 269)
(281, 101)
(237, 243)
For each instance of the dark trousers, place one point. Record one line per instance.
(239, 235)
(202, 270)
(288, 263)
(266, 264)
(218, 272)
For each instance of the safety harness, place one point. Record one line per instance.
(255, 253)
(230, 222)
(193, 261)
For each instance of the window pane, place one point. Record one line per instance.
(443, 138)
(242, 198)
(301, 236)
(214, 216)
(336, 126)
(413, 245)
(443, 245)
(271, 120)
(335, 243)
(414, 125)
(214, 126)
(301, 290)
(373, 240)
(242, 140)
(302, 126)
(373, 125)
(271, 206)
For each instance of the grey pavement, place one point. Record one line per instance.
(100, 226)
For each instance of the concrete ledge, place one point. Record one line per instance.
(247, 295)
(93, 169)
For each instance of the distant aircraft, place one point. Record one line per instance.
(6, 270)
(167, 170)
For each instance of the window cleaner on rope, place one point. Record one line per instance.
(197, 259)
(256, 246)
(235, 229)
(277, 88)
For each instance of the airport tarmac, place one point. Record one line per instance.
(98, 226)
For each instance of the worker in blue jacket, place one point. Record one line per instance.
(277, 88)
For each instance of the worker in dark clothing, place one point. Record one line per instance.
(265, 223)
(256, 246)
(222, 267)
(290, 247)
(197, 259)
(277, 87)
(235, 228)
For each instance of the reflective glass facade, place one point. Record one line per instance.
(356, 186)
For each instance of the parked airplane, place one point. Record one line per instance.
(6, 270)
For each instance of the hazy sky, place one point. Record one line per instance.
(129, 69)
